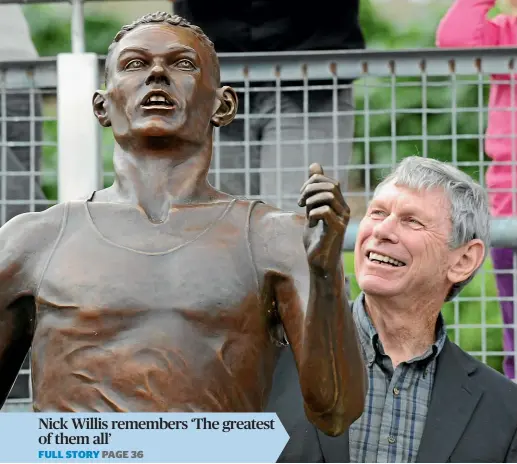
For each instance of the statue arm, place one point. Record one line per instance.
(22, 241)
(317, 320)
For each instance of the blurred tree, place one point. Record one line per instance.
(419, 115)
(51, 31)
(51, 34)
(422, 117)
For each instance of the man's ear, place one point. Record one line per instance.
(466, 260)
(225, 107)
(99, 108)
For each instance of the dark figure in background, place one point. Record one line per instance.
(241, 26)
(161, 293)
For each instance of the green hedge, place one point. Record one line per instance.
(51, 35)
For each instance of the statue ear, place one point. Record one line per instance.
(225, 107)
(99, 108)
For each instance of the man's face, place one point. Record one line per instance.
(161, 84)
(403, 243)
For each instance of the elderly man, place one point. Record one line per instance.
(161, 293)
(424, 236)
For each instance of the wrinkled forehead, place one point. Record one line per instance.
(161, 38)
(431, 202)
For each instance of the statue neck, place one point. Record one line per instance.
(155, 181)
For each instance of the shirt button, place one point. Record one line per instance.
(396, 391)
(391, 439)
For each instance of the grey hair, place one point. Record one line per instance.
(469, 213)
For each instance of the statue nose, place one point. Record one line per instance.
(158, 75)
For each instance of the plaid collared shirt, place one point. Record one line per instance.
(392, 424)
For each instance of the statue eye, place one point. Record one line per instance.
(135, 64)
(185, 64)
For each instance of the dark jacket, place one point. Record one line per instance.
(275, 25)
(472, 416)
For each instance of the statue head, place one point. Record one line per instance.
(162, 83)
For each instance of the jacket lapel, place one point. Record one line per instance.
(454, 399)
(334, 449)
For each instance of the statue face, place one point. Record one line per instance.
(161, 83)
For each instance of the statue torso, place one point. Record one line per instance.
(135, 316)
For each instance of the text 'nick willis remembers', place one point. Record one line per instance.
(63, 427)
(94, 423)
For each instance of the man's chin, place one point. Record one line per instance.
(376, 286)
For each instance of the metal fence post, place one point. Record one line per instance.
(79, 172)
(78, 41)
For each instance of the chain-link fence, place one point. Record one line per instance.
(303, 107)
(28, 152)
(357, 113)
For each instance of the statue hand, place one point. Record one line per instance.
(327, 219)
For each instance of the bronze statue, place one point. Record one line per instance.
(161, 293)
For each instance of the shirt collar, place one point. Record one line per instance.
(370, 339)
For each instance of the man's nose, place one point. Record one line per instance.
(386, 230)
(158, 75)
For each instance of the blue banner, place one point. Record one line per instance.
(141, 438)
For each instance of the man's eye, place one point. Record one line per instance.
(185, 64)
(414, 222)
(377, 213)
(134, 64)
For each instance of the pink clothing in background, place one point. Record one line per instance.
(466, 25)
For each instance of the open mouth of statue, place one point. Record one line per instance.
(384, 260)
(158, 101)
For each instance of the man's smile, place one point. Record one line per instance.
(383, 259)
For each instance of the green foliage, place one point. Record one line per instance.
(422, 114)
(51, 32)
(382, 34)
(391, 111)
(422, 118)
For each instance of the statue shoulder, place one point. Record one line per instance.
(268, 218)
(33, 232)
(276, 238)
